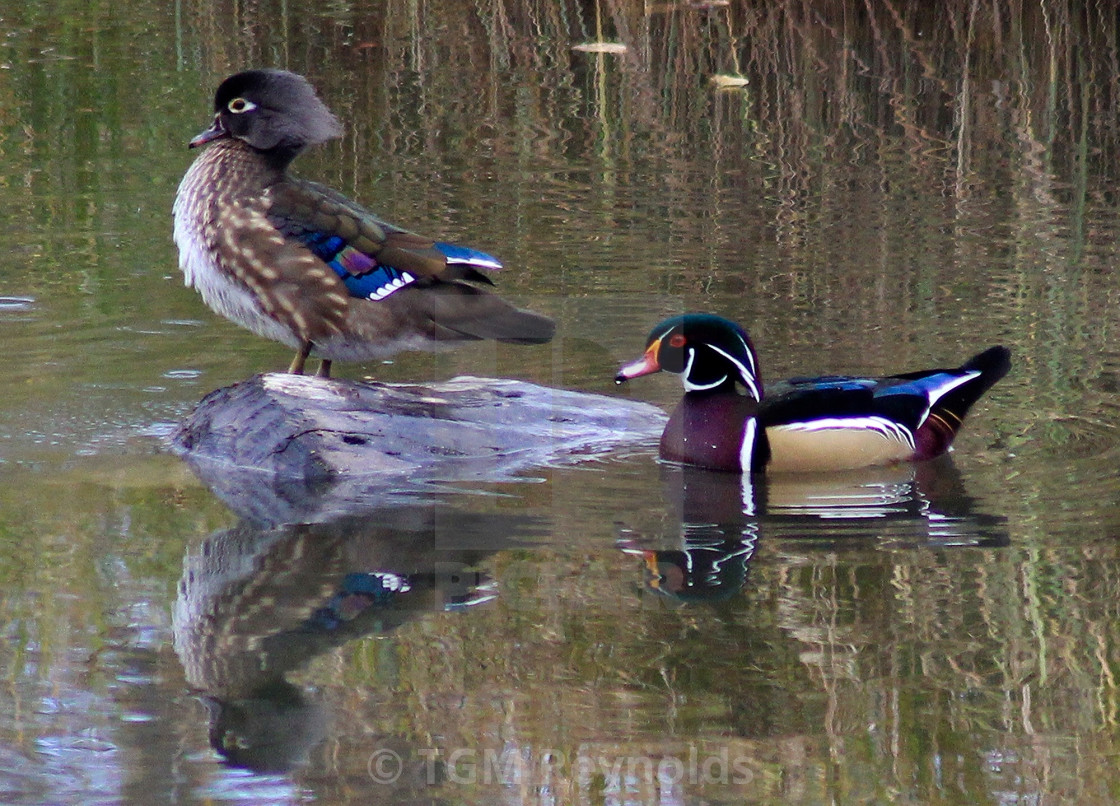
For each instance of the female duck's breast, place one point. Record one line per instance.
(196, 209)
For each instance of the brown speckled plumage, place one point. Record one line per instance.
(246, 233)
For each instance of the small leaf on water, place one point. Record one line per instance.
(723, 81)
(600, 47)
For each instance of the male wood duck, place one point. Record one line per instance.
(297, 262)
(803, 424)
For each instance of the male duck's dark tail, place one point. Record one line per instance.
(992, 364)
(948, 411)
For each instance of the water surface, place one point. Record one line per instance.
(894, 186)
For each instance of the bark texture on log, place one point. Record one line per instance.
(299, 439)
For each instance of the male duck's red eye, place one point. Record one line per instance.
(677, 340)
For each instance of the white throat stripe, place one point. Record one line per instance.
(697, 387)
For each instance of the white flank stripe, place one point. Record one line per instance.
(746, 457)
(746, 449)
(748, 494)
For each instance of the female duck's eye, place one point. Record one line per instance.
(239, 105)
(677, 340)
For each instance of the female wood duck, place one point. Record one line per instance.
(803, 424)
(299, 263)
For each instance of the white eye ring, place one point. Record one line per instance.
(240, 105)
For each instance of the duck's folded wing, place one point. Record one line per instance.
(288, 281)
(371, 257)
(833, 398)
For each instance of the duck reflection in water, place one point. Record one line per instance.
(717, 519)
(255, 604)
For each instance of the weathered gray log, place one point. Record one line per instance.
(298, 438)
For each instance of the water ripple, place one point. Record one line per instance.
(10, 304)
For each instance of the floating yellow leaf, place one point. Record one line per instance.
(600, 47)
(726, 82)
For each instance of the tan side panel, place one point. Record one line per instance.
(832, 449)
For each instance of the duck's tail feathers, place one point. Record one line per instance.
(992, 364)
(518, 326)
(977, 375)
(457, 311)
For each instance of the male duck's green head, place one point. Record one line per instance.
(710, 354)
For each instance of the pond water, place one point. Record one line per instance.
(867, 187)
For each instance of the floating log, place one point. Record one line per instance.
(295, 438)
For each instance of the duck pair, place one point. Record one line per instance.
(300, 263)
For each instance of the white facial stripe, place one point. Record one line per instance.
(877, 425)
(748, 353)
(689, 386)
(746, 374)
